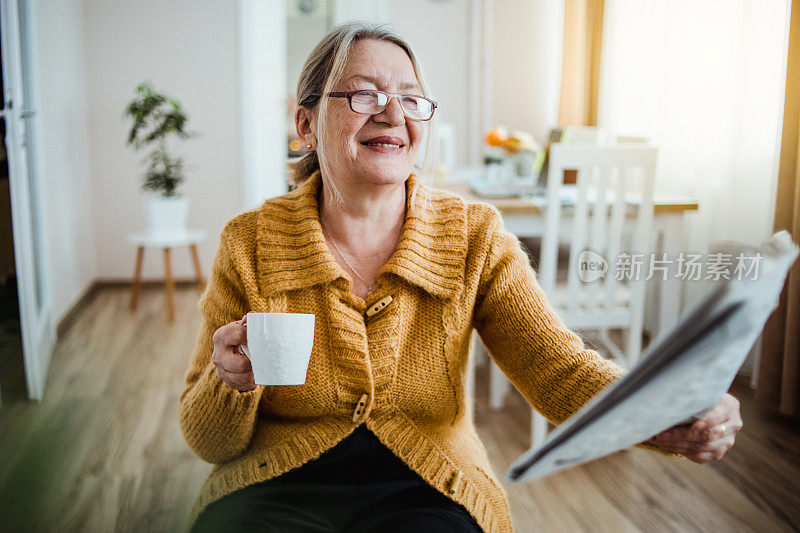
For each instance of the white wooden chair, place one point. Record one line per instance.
(610, 205)
(584, 135)
(632, 139)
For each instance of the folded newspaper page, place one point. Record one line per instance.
(684, 371)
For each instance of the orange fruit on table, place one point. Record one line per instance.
(496, 137)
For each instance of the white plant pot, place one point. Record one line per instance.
(167, 215)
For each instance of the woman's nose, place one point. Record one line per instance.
(393, 112)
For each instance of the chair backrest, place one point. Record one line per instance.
(603, 211)
(632, 139)
(583, 135)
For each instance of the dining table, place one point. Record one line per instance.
(524, 217)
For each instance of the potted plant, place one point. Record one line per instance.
(156, 117)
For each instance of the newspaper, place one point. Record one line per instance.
(683, 373)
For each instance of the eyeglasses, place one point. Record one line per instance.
(371, 102)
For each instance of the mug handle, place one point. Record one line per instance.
(243, 347)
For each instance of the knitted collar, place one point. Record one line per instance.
(292, 252)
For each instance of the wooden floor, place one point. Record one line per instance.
(103, 450)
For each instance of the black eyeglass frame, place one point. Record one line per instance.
(349, 96)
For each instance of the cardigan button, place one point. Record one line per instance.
(362, 405)
(455, 483)
(379, 305)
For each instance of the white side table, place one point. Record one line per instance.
(188, 238)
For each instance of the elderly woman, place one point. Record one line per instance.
(380, 437)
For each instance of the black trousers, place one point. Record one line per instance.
(357, 486)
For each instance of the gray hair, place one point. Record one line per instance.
(321, 72)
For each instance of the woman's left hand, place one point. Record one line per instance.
(708, 438)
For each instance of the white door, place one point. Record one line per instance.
(27, 212)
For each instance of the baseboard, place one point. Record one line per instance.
(98, 285)
(111, 283)
(70, 316)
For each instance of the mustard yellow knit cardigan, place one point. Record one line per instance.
(400, 370)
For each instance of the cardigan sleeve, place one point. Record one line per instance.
(217, 421)
(546, 362)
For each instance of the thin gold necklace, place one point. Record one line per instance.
(369, 286)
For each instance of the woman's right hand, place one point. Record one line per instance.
(233, 367)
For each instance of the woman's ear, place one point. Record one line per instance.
(305, 122)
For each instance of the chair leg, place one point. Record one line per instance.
(633, 344)
(498, 386)
(538, 428)
(137, 277)
(617, 355)
(170, 284)
(480, 351)
(470, 392)
(198, 272)
(755, 355)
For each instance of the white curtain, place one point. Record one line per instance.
(704, 79)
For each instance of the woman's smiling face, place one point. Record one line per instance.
(386, 67)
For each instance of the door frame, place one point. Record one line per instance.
(38, 331)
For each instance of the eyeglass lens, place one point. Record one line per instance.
(373, 102)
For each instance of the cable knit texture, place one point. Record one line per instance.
(455, 268)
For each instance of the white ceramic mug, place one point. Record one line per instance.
(279, 347)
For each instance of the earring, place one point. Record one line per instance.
(308, 146)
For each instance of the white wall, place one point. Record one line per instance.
(527, 44)
(439, 35)
(303, 32)
(93, 56)
(65, 157)
(188, 50)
